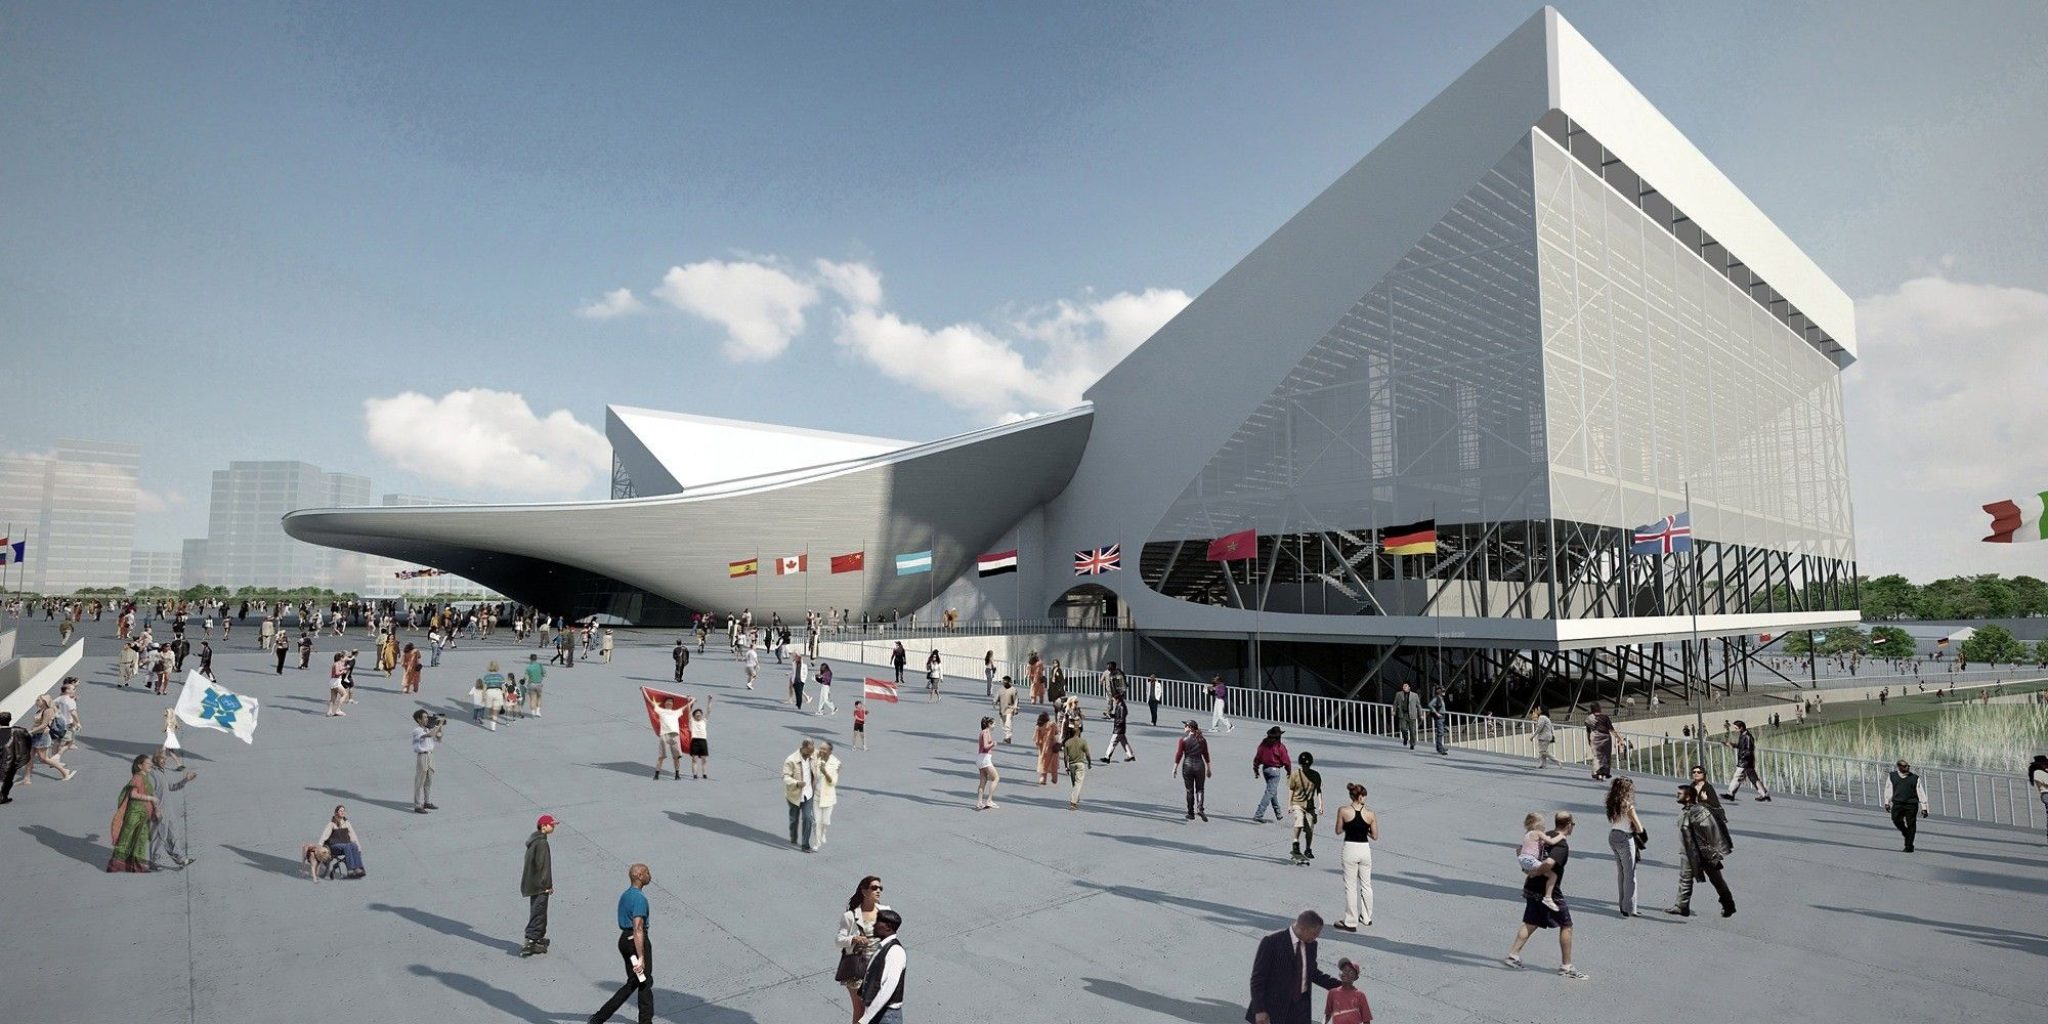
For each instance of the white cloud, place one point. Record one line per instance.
(487, 441)
(856, 282)
(152, 502)
(615, 303)
(976, 367)
(760, 306)
(1945, 412)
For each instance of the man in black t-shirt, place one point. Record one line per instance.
(1535, 915)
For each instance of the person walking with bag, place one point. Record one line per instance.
(1625, 836)
(537, 883)
(636, 949)
(857, 939)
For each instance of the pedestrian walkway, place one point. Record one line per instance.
(1121, 912)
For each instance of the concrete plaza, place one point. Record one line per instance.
(1029, 913)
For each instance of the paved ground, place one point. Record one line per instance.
(1122, 912)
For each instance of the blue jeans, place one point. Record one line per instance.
(436, 663)
(890, 1016)
(1272, 795)
(803, 822)
(1441, 728)
(351, 855)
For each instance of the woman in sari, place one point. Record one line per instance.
(133, 814)
(1047, 739)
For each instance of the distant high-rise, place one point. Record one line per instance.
(160, 570)
(76, 506)
(244, 544)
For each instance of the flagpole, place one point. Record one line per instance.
(757, 574)
(1699, 711)
(806, 567)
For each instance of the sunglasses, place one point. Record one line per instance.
(877, 887)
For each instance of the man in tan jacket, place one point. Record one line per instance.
(1005, 701)
(800, 790)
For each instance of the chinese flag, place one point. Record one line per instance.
(849, 563)
(1235, 547)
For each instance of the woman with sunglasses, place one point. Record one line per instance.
(857, 938)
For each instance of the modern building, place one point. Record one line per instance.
(245, 546)
(76, 507)
(155, 570)
(387, 577)
(1536, 315)
(192, 562)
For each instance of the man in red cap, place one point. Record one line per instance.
(537, 883)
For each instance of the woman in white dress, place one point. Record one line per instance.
(171, 747)
(828, 790)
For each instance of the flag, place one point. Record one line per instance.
(2014, 521)
(1670, 535)
(789, 564)
(1764, 638)
(997, 563)
(203, 705)
(743, 567)
(1878, 640)
(1096, 561)
(12, 554)
(879, 689)
(652, 697)
(849, 563)
(1235, 547)
(913, 563)
(1943, 642)
(1413, 539)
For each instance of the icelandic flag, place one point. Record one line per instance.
(1667, 536)
(879, 689)
(914, 562)
(12, 554)
(204, 705)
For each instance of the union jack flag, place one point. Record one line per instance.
(1096, 561)
(1669, 535)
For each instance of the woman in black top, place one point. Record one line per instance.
(1359, 826)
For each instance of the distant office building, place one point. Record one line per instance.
(244, 544)
(76, 507)
(192, 564)
(155, 570)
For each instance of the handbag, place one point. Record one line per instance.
(849, 967)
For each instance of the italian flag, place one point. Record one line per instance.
(2016, 520)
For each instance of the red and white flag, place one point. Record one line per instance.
(880, 689)
(662, 698)
(788, 564)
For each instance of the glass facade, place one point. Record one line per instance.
(1548, 368)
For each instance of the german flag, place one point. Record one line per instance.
(1412, 539)
(743, 567)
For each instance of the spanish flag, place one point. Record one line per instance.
(743, 567)
(1412, 539)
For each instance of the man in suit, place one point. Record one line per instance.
(1407, 709)
(1283, 970)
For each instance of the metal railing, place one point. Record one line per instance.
(1998, 799)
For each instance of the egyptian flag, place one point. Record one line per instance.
(998, 563)
(653, 697)
(1412, 539)
(880, 689)
(1235, 547)
(789, 564)
(855, 562)
(2014, 521)
(743, 567)
(1943, 642)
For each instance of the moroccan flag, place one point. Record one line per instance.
(1235, 547)
(2013, 521)
(998, 563)
(789, 564)
(1412, 539)
(653, 697)
(743, 567)
(880, 689)
(849, 563)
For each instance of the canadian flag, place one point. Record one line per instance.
(792, 563)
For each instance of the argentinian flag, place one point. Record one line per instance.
(205, 705)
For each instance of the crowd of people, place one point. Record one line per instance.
(146, 830)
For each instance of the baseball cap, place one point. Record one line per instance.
(545, 821)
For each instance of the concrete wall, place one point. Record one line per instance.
(24, 679)
(960, 656)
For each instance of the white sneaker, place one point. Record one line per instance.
(494, 726)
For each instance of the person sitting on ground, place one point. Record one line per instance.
(1530, 855)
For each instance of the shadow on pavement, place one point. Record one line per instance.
(268, 861)
(358, 798)
(511, 1006)
(129, 750)
(2003, 938)
(1178, 1009)
(85, 850)
(449, 926)
(730, 828)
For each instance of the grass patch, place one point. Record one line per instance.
(1981, 737)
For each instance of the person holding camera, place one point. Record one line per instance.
(426, 732)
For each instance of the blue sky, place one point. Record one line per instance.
(227, 229)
